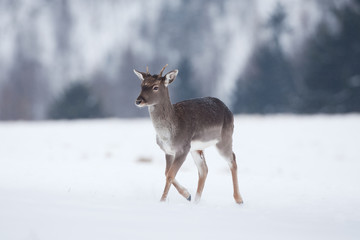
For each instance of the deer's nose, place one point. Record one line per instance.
(138, 101)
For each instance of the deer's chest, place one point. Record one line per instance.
(166, 136)
(166, 145)
(165, 140)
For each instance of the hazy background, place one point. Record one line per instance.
(74, 58)
(102, 179)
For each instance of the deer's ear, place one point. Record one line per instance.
(170, 77)
(140, 75)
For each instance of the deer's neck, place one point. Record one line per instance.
(163, 118)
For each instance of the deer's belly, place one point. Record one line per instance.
(199, 145)
(170, 149)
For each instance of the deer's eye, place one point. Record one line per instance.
(155, 88)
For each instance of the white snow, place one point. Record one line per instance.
(299, 178)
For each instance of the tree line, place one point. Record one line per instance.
(322, 76)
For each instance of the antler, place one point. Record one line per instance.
(147, 70)
(160, 74)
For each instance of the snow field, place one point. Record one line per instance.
(299, 178)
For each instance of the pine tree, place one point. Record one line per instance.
(76, 102)
(267, 84)
(184, 86)
(331, 64)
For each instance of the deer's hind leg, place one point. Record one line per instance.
(199, 159)
(225, 149)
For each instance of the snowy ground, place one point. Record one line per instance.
(299, 177)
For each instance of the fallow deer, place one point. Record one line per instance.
(187, 126)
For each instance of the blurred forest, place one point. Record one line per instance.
(67, 59)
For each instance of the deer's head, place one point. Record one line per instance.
(154, 87)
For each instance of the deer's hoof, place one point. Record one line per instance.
(189, 198)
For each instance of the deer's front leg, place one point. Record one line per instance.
(169, 161)
(171, 171)
(183, 191)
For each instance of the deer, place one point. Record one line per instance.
(188, 126)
